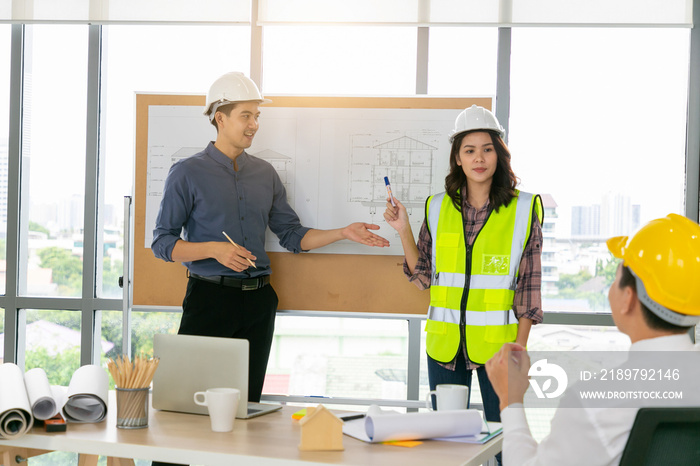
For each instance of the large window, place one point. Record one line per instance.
(601, 134)
(53, 343)
(598, 122)
(143, 326)
(463, 61)
(332, 60)
(5, 40)
(53, 159)
(151, 59)
(361, 358)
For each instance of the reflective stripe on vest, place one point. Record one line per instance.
(488, 316)
(477, 281)
(443, 314)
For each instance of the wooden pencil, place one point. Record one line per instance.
(232, 242)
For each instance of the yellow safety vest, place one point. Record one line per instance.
(474, 286)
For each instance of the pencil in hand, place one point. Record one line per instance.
(232, 242)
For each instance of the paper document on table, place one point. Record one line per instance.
(87, 395)
(60, 394)
(415, 426)
(487, 433)
(15, 412)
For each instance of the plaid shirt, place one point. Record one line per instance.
(528, 297)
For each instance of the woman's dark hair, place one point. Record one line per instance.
(504, 180)
(653, 321)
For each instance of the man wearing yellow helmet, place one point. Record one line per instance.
(654, 300)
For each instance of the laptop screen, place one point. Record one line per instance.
(190, 364)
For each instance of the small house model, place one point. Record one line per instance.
(320, 430)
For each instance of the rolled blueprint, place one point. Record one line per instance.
(41, 398)
(15, 412)
(415, 426)
(87, 395)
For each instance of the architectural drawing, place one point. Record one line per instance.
(183, 153)
(284, 166)
(407, 162)
(332, 162)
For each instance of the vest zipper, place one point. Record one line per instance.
(467, 282)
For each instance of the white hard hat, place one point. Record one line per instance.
(231, 88)
(474, 118)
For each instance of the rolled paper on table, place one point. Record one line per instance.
(15, 411)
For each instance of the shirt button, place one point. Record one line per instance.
(240, 198)
(242, 218)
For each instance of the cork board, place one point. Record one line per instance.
(321, 282)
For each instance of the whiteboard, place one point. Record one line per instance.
(332, 162)
(312, 149)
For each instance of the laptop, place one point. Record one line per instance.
(190, 364)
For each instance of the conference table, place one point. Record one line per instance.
(271, 439)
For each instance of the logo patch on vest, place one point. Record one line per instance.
(495, 264)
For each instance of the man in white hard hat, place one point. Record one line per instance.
(224, 189)
(654, 300)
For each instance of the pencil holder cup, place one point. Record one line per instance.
(132, 408)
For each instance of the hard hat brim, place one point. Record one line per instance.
(207, 110)
(454, 136)
(616, 246)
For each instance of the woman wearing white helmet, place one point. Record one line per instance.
(479, 252)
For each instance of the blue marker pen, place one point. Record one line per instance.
(388, 189)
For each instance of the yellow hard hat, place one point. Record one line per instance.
(664, 256)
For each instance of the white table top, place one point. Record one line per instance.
(271, 439)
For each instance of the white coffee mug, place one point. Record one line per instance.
(448, 397)
(222, 404)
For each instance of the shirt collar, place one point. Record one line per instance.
(466, 205)
(221, 158)
(679, 342)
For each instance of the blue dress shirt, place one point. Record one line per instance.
(204, 196)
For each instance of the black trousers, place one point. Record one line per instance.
(222, 311)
